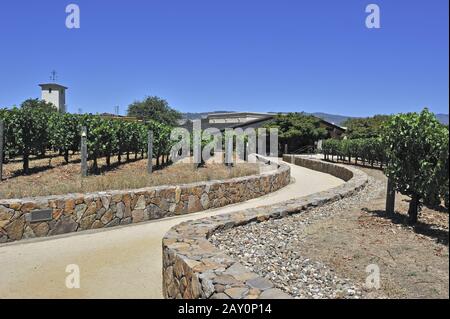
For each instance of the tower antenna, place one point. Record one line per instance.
(53, 76)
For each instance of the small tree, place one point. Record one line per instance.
(414, 149)
(156, 109)
(297, 129)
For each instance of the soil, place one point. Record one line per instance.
(413, 261)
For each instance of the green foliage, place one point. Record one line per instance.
(417, 153)
(370, 150)
(297, 129)
(156, 109)
(365, 127)
(64, 133)
(25, 132)
(35, 128)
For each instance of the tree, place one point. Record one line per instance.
(297, 129)
(415, 144)
(156, 109)
(367, 127)
(39, 104)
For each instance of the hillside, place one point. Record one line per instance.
(332, 118)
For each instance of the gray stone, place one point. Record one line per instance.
(79, 210)
(260, 283)
(140, 204)
(114, 222)
(236, 293)
(63, 226)
(106, 201)
(208, 288)
(274, 294)
(120, 210)
(204, 200)
(15, 229)
(28, 233)
(126, 221)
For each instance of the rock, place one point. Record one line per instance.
(114, 222)
(97, 224)
(236, 293)
(106, 200)
(140, 204)
(107, 217)
(15, 228)
(219, 288)
(126, 221)
(40, 230)
(137, 215)
(6, 213)
(91, 210)
(86, 222)
(69, 205)
(120, 210)
(260, 283)
(196, 287)
(204, 200)
(64, 225)
(274, 294)
(194, 204)
(177, 194)
(56, 213)
(208, 288)
(15, 206)
(28, 233)
(3, 223)
(100, 213)
(27, 207)
(79, 210)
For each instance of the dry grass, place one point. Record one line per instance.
(53, 177)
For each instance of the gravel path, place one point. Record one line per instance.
(273, 249)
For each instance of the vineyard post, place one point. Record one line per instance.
(150, 152)
(1, 149)
(84, 151)
(390, 197)
(228, 148)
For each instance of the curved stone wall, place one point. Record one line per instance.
(195, 268)
(79, 212)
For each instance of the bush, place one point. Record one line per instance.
(417, 154)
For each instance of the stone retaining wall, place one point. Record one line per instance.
(194, 268)
(78, 212)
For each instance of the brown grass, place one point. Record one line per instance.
(50, 176)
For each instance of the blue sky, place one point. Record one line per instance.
(241, 55)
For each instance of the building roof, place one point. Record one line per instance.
(236, 114)
(53, 86)
(252, 123)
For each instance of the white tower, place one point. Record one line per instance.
(55, 94)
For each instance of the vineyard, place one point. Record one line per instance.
(38, 132)
(370, 151)
(413, 149)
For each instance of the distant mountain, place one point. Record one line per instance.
(332, 118)
(443, 118)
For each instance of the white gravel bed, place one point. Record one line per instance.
(273, 249)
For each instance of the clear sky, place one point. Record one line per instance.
(241, 55)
